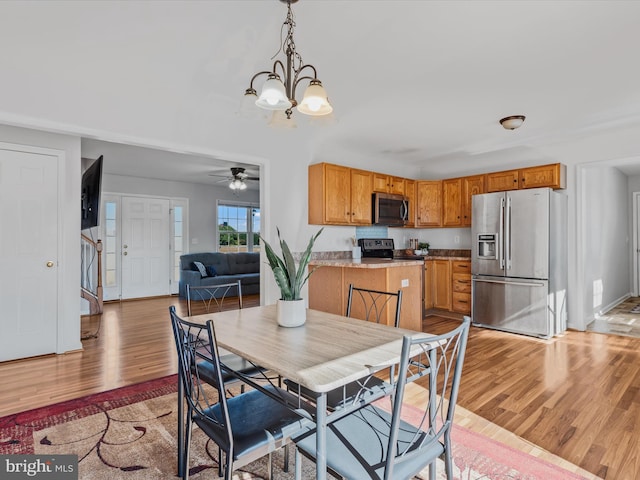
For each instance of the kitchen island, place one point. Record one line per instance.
(329, 286)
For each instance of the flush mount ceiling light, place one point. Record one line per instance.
(512, 122)
(279, 89)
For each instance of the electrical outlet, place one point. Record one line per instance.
(404, 282)
(456, 239)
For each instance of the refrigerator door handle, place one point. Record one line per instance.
(501, 235)
(503, 282)
(508, 234)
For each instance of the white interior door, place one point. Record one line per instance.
(145, 247)
(28, 252)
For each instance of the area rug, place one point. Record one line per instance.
(130, 433)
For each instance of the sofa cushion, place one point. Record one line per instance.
(211, 271)
(244, 262)
(217, 260)
(200, 268)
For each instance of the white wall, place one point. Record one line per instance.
(69, 223)
(202, 203)
(633, 186)
(607, 240)
(441, 238)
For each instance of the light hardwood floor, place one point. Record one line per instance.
(577, 396)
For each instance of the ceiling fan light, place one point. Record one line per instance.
(273, 95)
(315, 101)
(512, 122)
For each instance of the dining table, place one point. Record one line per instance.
(325, 353)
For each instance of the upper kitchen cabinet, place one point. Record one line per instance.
(452, 202)
(429, 203)
(471, 186)
(503, 181)
(388, 184)
(553, 176)
(410, 193)
(339, 195)
(456, 197)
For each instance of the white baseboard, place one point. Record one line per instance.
(613, 304)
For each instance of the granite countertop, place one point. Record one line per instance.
(365, 263)
(445, 257)
(444, 254)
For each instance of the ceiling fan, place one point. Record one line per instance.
(238, 178)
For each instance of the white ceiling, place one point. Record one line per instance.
(420, 84)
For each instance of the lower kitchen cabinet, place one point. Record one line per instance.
(461, 286)
(329, 288)
(447, 284)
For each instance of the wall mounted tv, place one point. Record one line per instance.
(91, 185)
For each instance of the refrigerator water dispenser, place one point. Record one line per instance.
(487, 246)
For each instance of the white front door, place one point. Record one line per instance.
(146, 266)
(28, 252)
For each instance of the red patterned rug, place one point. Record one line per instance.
(130, 433)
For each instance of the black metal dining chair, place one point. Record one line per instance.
(399, 442)
(245, 427)
(372, 306)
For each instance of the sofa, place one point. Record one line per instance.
(227, 268)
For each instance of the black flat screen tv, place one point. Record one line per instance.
(91, 185)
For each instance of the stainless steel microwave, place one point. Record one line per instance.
(390, 210)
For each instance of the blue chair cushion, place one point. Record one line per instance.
(256, 421)
(357, 445)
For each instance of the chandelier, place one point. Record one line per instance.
(279, 89)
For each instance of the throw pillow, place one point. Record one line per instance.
(201, 268)
(211, 271)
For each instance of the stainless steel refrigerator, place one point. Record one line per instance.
(519, 261)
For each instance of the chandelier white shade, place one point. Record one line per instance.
(315, 101)
(279, 89)
(274, 95)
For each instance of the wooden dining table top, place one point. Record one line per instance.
(326, 352)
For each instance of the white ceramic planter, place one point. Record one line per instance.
(291, 313)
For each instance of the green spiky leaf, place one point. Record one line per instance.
(289, 279)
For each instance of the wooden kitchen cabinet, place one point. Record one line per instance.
(447, 285)
(503, 181)
(388, 184)
(428, 284)
(410, 193)
(553, 175)
(452, 202)
(461, 286)
(429, 203)
(471, 186)
(329, 289)
(456, 198)
(339, 195)
(442, 284)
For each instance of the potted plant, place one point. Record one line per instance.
(424, 247)
(290, 307)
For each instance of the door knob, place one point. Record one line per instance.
(124, 253)
(49, 264)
